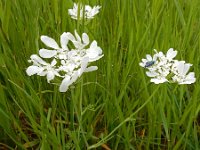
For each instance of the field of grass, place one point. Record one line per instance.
(115, 107)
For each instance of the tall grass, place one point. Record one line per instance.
(115, 107)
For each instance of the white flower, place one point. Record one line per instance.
(163, 68)
(41, 68)
(180, 69)
(67, 64)
(80, 11)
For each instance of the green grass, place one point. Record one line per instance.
(116, 106)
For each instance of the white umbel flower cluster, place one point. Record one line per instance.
(164, 68)
(65, 63)
(80, 11)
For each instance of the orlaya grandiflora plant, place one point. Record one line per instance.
(81, 11)
(164, 68)
(65, 63)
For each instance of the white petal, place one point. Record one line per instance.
(54, 62)
(180, 67)
(70, 12)
(78, 45)
(64, 41)
(73, 13)
(160, 54)
(91, 68)
(93, 44)
(151, 74)
(31, 70)
(84, 63)
(64, 84)
(49, 42)
(70, 36)
(144, 60)
(142, 64)
(191, 75)
(74, 77)
(45, 53)
(42, 72)
(155, 56)
(94, 51)
(78, 38)
(88, 8)
(94, 11)
(50, 76)
(96, 58)
(37, 59)
(186, 68)
(158, 81)
(171, 53)
(85, 39)
(72, 53)
(149, 58)
(189, 79)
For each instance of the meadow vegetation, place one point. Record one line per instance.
(115, 107)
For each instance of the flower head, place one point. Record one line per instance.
(67, 64)
(81, 11)
(162, 67)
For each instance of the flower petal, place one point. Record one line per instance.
(151, 74)
(45, 53)
(31, 70)
(96, 58)
(78, 38)
(73, 13)
(64, 41)
(74, 77)
(64, 84)
(85, 39)
(180, 67)
(50, 76)
(158, 81)
(70, 36)
(54, 62)
(37, 60)
(171, 53)
(94, 51)
(155, 56)
(142, 64)
(189, 79)
(42, 72)
(84, 63)
(186, 68)
(91, 68)
(149, 58)
(78, 45)
(49, 42)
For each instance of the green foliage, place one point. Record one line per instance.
(116, 106)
